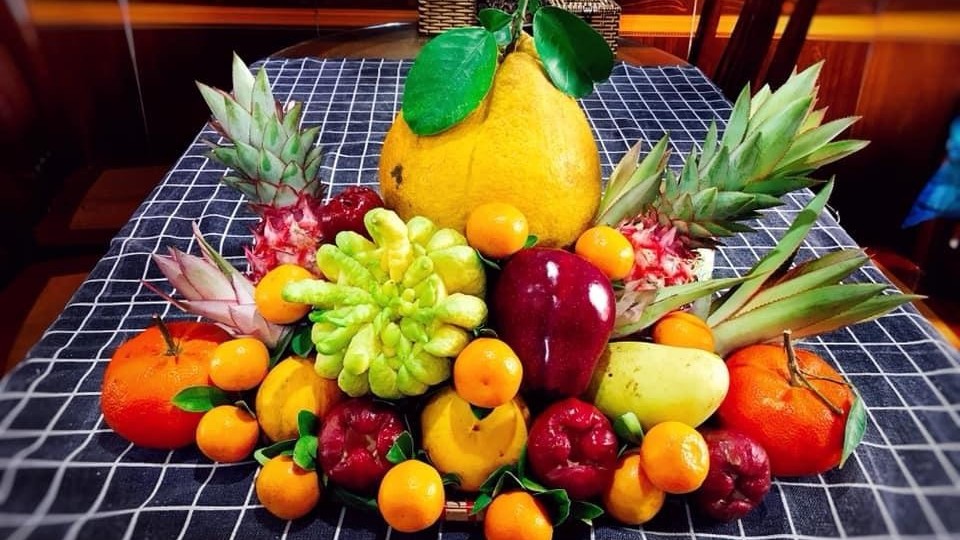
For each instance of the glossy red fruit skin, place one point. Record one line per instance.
(354, 440)
(572, 446)
(739, 476)
(345, 211)
(556, 311)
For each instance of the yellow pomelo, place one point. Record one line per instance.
(458, 442)
(527, 144)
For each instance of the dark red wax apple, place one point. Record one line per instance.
(556, 311)
(345, 211)
(739, 476)
(572, 446)
(354, 441)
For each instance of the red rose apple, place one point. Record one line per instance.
(739, 475)
(354, 441)
(573, 446)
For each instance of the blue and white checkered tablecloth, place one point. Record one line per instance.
(64, 474)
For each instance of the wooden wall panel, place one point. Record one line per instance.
(909, 94)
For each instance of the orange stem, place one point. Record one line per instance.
(799, 378)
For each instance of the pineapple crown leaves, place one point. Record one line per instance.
(808, 299)
(772, 142)
(273, 162)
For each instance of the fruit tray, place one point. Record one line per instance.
(66, 474)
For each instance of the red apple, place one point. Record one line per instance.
(354, 441)
(556, 311)
(572, 446)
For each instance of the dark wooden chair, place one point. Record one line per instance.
(749, 44)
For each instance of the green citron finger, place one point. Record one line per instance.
(353, 244)
(353, 385)
(462, 310)
(335, 340)
(324, 294)
(427, 368)
(413, 330)
(420, 230)
(447, 340)
(461, 270)
(363, 348)
(408, 384)
(383, 380)
(445, 238)
(328, 366)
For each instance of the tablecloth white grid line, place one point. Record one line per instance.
(337, 96)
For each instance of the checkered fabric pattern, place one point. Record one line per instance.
(64, 474)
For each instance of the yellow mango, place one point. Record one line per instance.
(658, 383)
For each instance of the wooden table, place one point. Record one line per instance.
(401, 41)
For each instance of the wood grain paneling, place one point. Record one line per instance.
(909, 93)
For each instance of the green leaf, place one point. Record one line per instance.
(522, 463)
(731, 303)
(558, 504)
(493, 480)
(305, 452)
(352, 499)
(855, 428)
(280, 351)
(628, 427)
(243, 405)
(482, 501)
(573, 53)
(480, 412)
(402, 448)
(300, 342)
(488, 262)
(449, 78)
(200, 398)
(450, 479)
(585, 511)
(263, 455)
(499, 23)
(531, 241)
(307, 423)
(533, 6)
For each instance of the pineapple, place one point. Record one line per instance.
(274, 164)
(808, 299)
(771, 145)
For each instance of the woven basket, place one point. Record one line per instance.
(602, 15)
(436, 16)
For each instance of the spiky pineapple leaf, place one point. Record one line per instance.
(818, 263)
(709, 147)
(801, 84)
(813, 120)
(739, 119)
(242, 82)
(671, 298)
(812, 279)
(216, 102)
(639, 190)
(768, 322)
(621, 174)
(740, 295)
(867, 310)
(238, 121)
(759, 99)
(777, 186)
(811, 140)
(833, 152)
(291, 118)
(778, 134)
